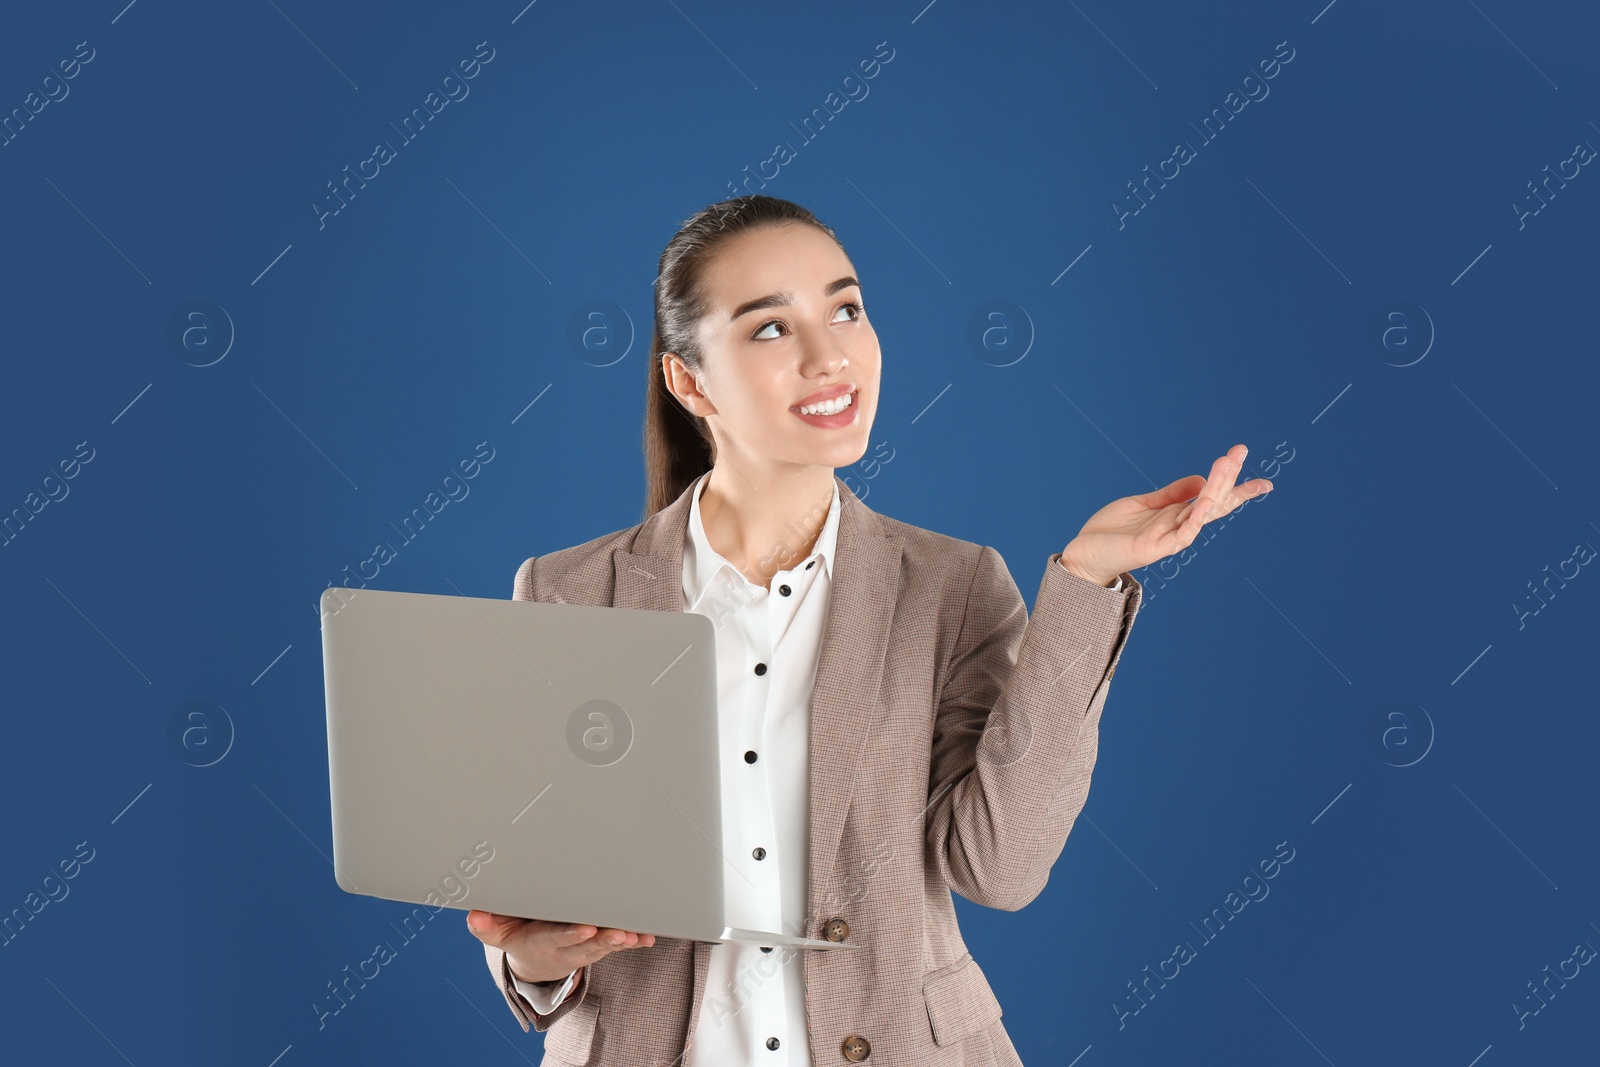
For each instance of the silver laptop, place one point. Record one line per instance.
(549, 761)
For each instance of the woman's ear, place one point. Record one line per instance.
(685, 385)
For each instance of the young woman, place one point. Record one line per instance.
(893, 724)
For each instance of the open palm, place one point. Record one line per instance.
(1135, 531)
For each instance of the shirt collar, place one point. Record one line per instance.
(702, 563)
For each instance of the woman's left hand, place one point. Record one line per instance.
(1138, 530)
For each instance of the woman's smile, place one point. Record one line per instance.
(835, 408)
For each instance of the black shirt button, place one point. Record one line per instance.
(761, 668)
(750, 756)
(766, 948)
(785, 590)
(759, 853)
(772, 1043)
(813, 563)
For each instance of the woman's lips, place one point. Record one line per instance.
(830, 422)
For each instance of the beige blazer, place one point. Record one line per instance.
(952, 740)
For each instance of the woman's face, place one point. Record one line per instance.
(761, 363)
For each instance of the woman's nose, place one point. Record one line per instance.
(825, 355)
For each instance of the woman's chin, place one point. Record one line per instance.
(842, 460)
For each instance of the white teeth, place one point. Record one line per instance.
(829, 407)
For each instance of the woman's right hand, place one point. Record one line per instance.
(539, 951)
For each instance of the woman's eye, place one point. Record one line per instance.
(853, 306)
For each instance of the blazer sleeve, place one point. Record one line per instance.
(522, 589)
(1016, 728)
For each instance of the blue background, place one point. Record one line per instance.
(1441, 859)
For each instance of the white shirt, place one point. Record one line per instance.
(753, 996)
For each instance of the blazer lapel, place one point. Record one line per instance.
(863, 586)
(844, 703)
(651, 578)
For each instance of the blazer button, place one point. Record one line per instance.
(836, 930)
(856, 1048)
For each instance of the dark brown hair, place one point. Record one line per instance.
(678, 446)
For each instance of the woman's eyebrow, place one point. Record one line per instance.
(786, 298)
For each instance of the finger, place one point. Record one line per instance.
(1186, 522)
(509, 931)
(604, 941)
(1255, 487)
(1177, 492)
(615, 938)
(1219, 487)
(583, 944)
(490, 928)
(618, 938)
(567, 944)
(1240, 495)
(1208, 497)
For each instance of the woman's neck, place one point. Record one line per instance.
(765, 525)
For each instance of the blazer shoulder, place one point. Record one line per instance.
(922, 544)
(553, 575)
(928, 556)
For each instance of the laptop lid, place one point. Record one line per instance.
(540, 760)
